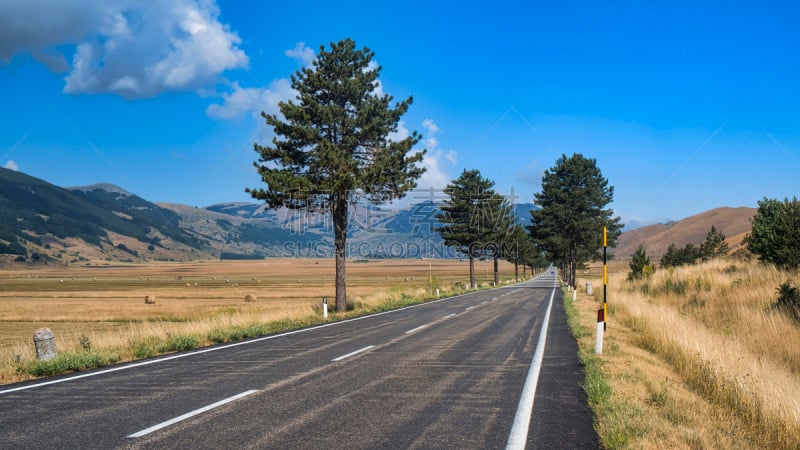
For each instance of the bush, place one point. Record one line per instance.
(775, 237)
(788, 301)
(69, 362)
(85, 343)
(641, 266)
(178, 343)
(144, 348)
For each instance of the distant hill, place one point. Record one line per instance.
(733, 222)
(43, 220)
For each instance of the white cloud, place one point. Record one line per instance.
(252, 100)
(302, 54)
(436, 173)
(11, 165)
(430, 126)
(531, 175)
(435, 161)
(378, 92)
(400, 134)
(132, 48)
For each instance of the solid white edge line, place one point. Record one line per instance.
(353, 353)
(190, 414)
(416, 329)
(449, 316)
(519, 430)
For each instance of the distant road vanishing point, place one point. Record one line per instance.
(462, 372)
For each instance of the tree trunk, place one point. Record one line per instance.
(472, 283)
(516, 271)
(496, 273)
(339, 214)
(573, 266)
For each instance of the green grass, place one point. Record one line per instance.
(616, 422)
(69, 362)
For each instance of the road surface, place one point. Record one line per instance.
(462, 372)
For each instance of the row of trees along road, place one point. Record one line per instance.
(333, 146)
(480, 223)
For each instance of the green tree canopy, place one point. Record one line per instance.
(474, 218)
(332, 145)
(641, 266)
(519, 249)
(675, 256)
(775, 237)
(714, 245)
(569, 226)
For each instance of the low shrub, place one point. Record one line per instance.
(69, 362)
(145, 347)
(179, 343)
(788, 301)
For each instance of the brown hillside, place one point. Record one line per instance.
(733, 222)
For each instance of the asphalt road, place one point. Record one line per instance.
(446, 374)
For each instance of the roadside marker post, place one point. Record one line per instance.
(602, 313)
(598, 343)
(324, 307)
(605, 278)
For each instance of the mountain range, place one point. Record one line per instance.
(42, 222)
(45, 223)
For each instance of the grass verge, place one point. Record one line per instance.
(615, 419)
(695, 357)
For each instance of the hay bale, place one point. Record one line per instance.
(249, 298)
(149, 299)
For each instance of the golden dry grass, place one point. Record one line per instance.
(701, 357)
(106, 304)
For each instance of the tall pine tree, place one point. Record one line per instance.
(569, 225)
(472, 218)
(332, 146)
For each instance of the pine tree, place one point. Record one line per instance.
(641, 266)
(503, 212)
(471, 218)
(775, 236)
(675, 256)
(714, 245)
(519, 249)
(569, 225)
(332, 146)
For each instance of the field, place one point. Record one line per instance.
(695, 357)
(103, 307)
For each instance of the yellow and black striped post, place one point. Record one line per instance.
(605, 280)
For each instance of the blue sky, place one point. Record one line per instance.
(686, 106)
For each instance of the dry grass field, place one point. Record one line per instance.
(104, 306)
(697, 357)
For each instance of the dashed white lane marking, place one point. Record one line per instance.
(191, 414)
(416, 329)
(361, 350)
